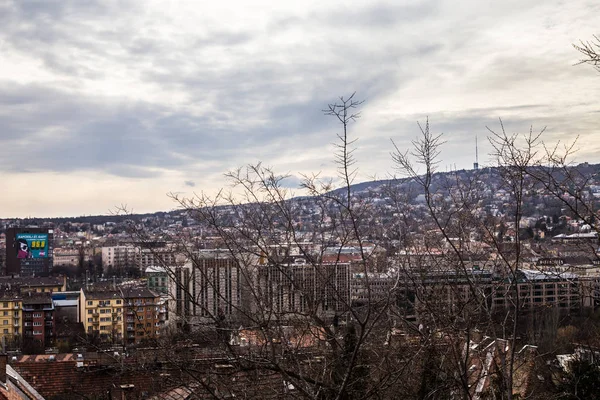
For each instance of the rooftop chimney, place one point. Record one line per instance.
(3, 362)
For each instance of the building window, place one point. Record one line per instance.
(118, 301)
(37, 332)
(37, 323)
(90, 319)
(5, 322)
(37, 315)
(90, 303)
(90, 311)
(5, 305)
(5, 331)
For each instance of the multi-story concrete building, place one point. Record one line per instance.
(129, 256)
(298, 286)
(157, 279)
(538, 289)
(161, 257)
(145, 314)
(101, 313)
(206, 289)
(119, 256)
(39, 327)
(72, 257)
(29, 251)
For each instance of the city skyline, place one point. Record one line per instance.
(109, 103)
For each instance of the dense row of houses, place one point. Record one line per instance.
(128, 315)
(31, 310)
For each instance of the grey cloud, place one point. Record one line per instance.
(378, 15)
(459, 131)
(291, 182)
(266, 103)
(63, 132)
(190, 183)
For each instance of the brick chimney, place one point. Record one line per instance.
(3, 362)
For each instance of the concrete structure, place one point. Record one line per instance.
(157, 279)
(298, 286)
(47, 284)
(11, 304)
(129, 256)
(71, 257)
(66, 305)
(101, 313)
(119, 257)
(39, 326)
(25, 257)
(206, 289)
(542, 289)
(145, 315)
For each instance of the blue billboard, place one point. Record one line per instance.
(31, 245)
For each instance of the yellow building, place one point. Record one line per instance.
(35, 284)
(11, 317)
(101, 313)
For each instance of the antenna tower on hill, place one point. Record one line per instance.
(476, 163)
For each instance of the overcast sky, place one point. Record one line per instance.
(105, 103)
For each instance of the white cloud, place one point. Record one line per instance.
(110, 102)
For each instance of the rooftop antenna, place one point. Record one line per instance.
(476, 163)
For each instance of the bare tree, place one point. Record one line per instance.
(590, 51)
(291, 297)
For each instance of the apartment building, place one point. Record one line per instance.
(205, 289)
(39, 327)
(128, 256)
(145, 314)
(298, 286)
(156, 257)
(48, 284)
(544, 289)
(63, 256)
(119, 256)
(451, 291)
(11, 318)
(157, 279)
(101, 313)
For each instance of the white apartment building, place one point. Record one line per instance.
(134, 256)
